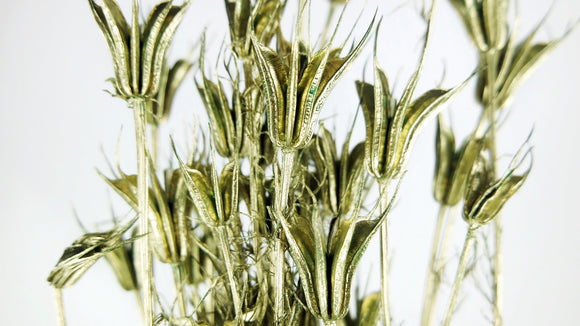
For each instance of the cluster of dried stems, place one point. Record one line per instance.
(279, 243)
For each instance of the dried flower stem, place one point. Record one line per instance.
(434, 274)
(383, 187)
(59, 307)
(463, 260)
(490, 110)
(145, 271)
(222, 236)
(178, 281)
(283, 183)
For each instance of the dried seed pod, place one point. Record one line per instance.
(215, 199)
(261, 19)
(84, 252)
(342, 178)
(327, 262)
(485, 196)
(391, 126)
(138, 53)
(227, 125)
(171, 79)
(452, 167)
(486, 22)
(168, 212)
(514, 64)
(297, 89)
(123, 265)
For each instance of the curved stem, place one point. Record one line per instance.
(145, 263)
(383, 185)
(434, 275)
(469, 238)
(59, 307)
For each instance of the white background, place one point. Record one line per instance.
(54, 117)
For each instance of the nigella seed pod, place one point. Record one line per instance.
(84, 252)
(168, 212)
(391, 126)
(260, 19)
(296, 85)
(452, 167)
(342, 177)
(138, 53)
(325, 262)
(171, 79)
(486, 21)
(514, 64)
(227, 125)
(485, 196)
(214, 198)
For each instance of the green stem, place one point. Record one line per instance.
(145, 263)
(225, 249)
(434, 275)
(383, 185)
(59, 307)
(459, 276)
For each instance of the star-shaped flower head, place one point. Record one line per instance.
(392, 126)
(296, 84)
(138, 53)
(327, 261)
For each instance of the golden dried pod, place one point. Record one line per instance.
(326, 262)
(168, 210)
(391, 126)
(227, 125)
(171, 79)
(452, 167)
(296, 89)
(84, 252)
(514, 64)
(485, 196)
(138, 53)
(486, 22)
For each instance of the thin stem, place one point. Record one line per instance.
(145, 263)
(434, 275)
(284, 178)
(383, 185)
(178, 281)
(469, 238)
(154, 144)
(225, 250)
(59, 307)
(490, 109)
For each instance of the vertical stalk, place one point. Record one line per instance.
(383, 185)
(178, 281)
(145, 263)
(490, 110)
(469, 238)
(282, 196)
(225, 249)
(434, 274)
(59, 307)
